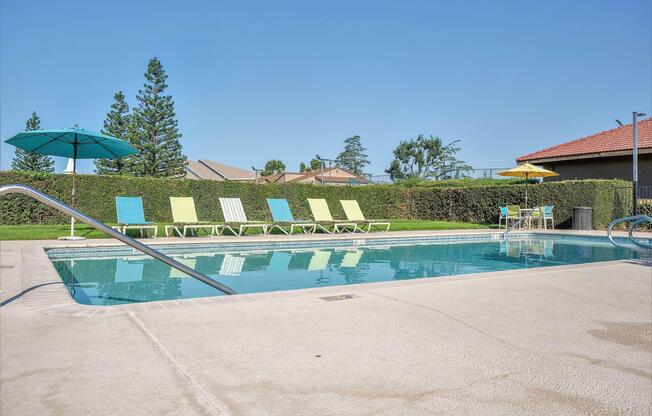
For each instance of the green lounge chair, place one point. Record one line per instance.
(234, 216)
(354, 213)
(184, 215)
(323, 217)
(283, 217)
(132, 216)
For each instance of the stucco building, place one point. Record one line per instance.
(605, 155)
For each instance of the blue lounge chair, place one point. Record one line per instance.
(132, 216)
(283, 217)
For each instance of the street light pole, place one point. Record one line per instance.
(321, 164)
(635, 116)
(256, 170)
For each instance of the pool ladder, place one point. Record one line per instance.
(68, 210)
(635, 222)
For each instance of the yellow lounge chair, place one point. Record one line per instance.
(322, 216)
(184, 215)
(354, 213)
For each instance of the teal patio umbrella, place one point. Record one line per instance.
(72, 143)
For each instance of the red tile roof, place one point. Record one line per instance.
(614, 140)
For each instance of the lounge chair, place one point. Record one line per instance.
(323, 217)
(184, 215)
(234, 216)
(283, 217)
(354, 213)
(131, 216)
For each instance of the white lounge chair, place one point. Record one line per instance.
(234, 215)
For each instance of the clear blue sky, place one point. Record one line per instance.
(255, 80)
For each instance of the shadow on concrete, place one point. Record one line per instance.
(29, 289)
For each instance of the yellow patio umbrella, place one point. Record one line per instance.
(527, 171)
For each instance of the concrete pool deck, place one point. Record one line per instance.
(557, 340)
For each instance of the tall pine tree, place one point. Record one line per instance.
(116, 124)
(31, 161)
(353, 158)
(155, 131)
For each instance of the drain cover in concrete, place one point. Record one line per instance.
(337, 297)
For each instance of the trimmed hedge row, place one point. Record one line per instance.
(95, 197)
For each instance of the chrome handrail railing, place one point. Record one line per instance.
(523, 218)
(634, 221)
(68, 210)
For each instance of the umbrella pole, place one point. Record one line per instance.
(74, 175)
(526, 183)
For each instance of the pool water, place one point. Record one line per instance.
(107, 278)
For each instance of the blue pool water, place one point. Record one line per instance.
(109, 276)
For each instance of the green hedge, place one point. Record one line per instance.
(469, 204)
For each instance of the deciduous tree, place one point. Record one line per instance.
(426, 158)
(273, 166)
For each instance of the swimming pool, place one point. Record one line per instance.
(117, 275)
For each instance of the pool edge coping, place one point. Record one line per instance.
(53, 297)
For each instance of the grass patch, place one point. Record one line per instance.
(51, 232)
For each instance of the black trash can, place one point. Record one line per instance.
(582, 218)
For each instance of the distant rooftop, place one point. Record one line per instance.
(607, 143)
(211, 170)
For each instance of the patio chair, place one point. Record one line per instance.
(132, 216)
(184, 215)
(283, 217)
(535, 215)
(354, 213)
(513, 214)
(234, 216)
(323, 217)
(548, 216)
(502, 217)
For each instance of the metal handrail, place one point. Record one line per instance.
(528, 215)
(634, 221)
(68, 210)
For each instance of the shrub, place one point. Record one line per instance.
(477, 204)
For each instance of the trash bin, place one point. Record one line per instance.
(582, 218)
